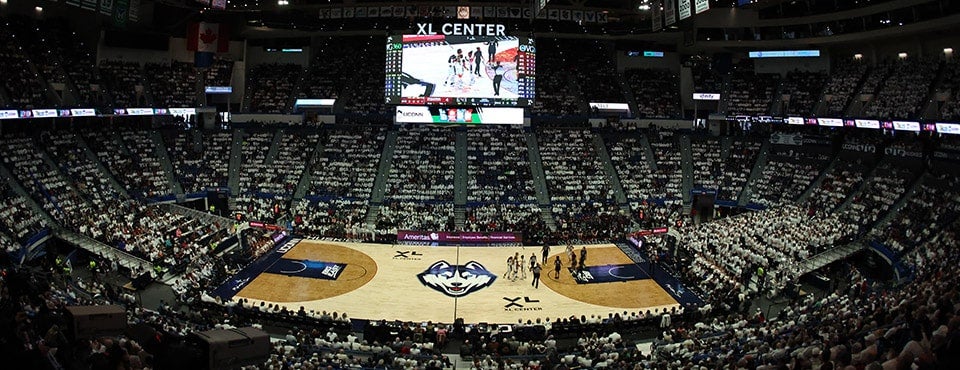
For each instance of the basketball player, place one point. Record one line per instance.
(519, 269)
(557, 265)
(498, 72)
(451, 70)
(533, 260)
(536, 274)
(570, 252)
(477, 59)
(510, 265)
(583, 255)
(545, 251)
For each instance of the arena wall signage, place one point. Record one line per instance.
(463, 237)
(462, 29)
(864, 148)
(906, 126)
(9, 114)
(948, 128)
(706, 96)
(615, 107)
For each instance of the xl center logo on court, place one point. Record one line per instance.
(456, 280)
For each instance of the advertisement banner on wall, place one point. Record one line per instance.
(454, 237)
(470, 115)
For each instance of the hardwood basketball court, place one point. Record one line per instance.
(441, 283)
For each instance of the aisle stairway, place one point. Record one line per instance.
(539, 180)
(380, 183)
(161, 152)
(758, 167)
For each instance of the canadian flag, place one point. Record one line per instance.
(208, 38)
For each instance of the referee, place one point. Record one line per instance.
(498, 76)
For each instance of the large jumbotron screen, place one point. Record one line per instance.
(437, 69)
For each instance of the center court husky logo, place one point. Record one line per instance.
(457, 280)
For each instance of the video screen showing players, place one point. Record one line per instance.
(460, 70)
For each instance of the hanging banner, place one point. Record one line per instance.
(657, 22)
(684, 7)
(701, 6)
(135, 8)
(553, 14)
(669, 13)
(120, 14)
(602, 17)
(590, 16)
(106, 7)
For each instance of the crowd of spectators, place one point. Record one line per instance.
(398, 215)
(950, 86)
(842, 84)
(728, 252)
(270, 87)
(707, 165)
(423, 165)
(572, 167)
(669, 174)
(751, 93)
(736, 168)
(253, 158)
(628, 156)
(17, 220)
(21, 86)
(125, 82)
(841, 180)
(334, 218)
(888, 184)
(498, 167)
(45, 184)
(804, 89)
(596, 72)
(522, 218)
(591, 221)
(786, 176)
(934, 206)
(200, 160)
(281, 176)
(365, 75)
(349, 162)
(556, 64)
(146, 175)
(172, 85)
(656, 91)
(904, 92)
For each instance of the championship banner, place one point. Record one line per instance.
(411, 11)
(106, 7)
(602, 17)
(578, 15)
(373, 12)
(360, 12)
(657, 23)
(489, 12)
(565, 14)
(336, 13)
(120, 15)
(134, 8)
(399, 11)
(590, 16)
(701, 6)
(684, 7)
(514, 12)
(669, 13)
(324, 13)
(553, 14)
(501, 12)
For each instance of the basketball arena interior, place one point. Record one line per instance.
(479, 184)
